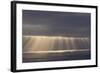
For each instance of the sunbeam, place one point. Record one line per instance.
(46, 43)
(37, 48)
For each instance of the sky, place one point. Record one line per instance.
(52, 23)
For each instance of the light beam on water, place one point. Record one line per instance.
(52, 43)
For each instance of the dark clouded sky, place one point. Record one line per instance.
(52, 23)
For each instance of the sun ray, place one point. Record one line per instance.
(47, 43)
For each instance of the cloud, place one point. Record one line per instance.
(56, 23)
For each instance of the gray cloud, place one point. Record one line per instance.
(56, 23)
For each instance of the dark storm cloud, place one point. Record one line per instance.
(56, 23)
